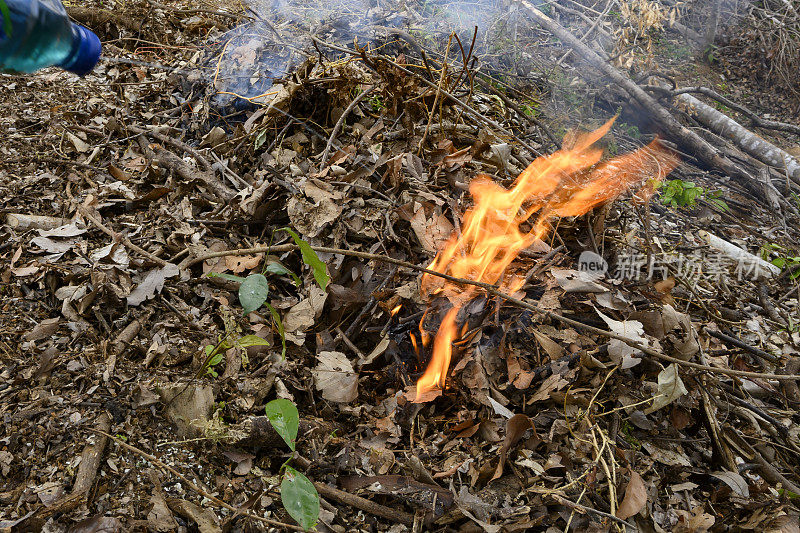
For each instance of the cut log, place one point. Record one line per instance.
(747, 141)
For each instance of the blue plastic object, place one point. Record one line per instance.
(38, 33)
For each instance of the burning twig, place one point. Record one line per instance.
(490, 289)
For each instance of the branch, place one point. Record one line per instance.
(220, 503)
(493, 290)
(672, 128)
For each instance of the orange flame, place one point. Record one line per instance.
(570, 182)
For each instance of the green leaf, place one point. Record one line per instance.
(300, 498)
(260, 138)
(278, 324)
(275, 267)
(311, 259)
(283, 416)
(253, 292)
(252, 340)
(779, 262)
(7, 27)
(229, 277)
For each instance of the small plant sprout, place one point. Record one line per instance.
(254, 289)
(298, 494)
(678, 193)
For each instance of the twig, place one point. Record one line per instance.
(341, 120)
(195, 11)
(510, 103)
(364, 504)
(180, 145)
(743, 345)
(588, 32)
(469, 109)
(568, 503)
(155, 461)
(493, 290)
(370, 304)
(341, 335)
(120, 238)
(439, 88)
(777, 424)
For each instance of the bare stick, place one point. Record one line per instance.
(341, 120)
(91, 458)
(364, 504)
(120, 238)
(755, 119)
(165, 467)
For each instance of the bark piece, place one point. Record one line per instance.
(91, 457)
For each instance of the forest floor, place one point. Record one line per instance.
(153, 305)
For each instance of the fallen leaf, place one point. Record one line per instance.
(79, 144)
(243, 460)
(160, 517)
(619, 351)
(334, 376)
(635, 497)
(553, 349)
(696, 521)
(239, 263)
(45, 328)
(552, 383)
(152, 284)
(670, 388)
(576, 281)
(516, 427)
(206, 520)
(98, 524)
(188, 406)
(301, 316)
(735, 481)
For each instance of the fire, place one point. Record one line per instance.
(501, 224)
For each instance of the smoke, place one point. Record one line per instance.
(256, 54)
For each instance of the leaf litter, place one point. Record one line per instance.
(541, 425)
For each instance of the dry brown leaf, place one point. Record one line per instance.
(516, 426)
(635, 497)
(152, 284)
(696, 521)
(334, 376)
(239, 263)
(552, 383)
(553, 349)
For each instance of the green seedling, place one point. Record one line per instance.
(298, 495)
(254, 289)
(781, 257)
(678, 193)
